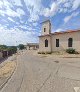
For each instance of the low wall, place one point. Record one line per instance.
(1, 55)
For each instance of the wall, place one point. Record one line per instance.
(63, 41)
(46, 25)
(1, 54)
(42, 44)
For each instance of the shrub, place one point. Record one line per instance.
(42, 52)
(21, 46)
(70, 51)
(48, 52)
(39, 52)
(3, 47)
(12, 49)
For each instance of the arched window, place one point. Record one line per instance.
(70, 42)
(44, 29)
(46, 43)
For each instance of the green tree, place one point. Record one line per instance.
(12, 49)
(21, 46)
(3, 47)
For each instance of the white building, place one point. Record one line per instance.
(58, 41)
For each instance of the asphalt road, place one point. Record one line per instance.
(42, 74)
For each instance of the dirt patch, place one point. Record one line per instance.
(7, 69)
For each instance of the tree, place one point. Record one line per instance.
(3, 47)
(21, 46)
(12, 49)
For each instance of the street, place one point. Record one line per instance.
(35, 73)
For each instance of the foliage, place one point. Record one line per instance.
(39, 52)
(42, 52)
(13, 49)
(48, 52)
(3, 47)
(70, 51)
(21, 46)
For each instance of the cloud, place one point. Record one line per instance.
(17, 2)
(66, 19)
(12, 13)
(59, 30)
(76, 4)
(7, 9)
(23, 26)
(60, 6)
(61, 1)
(9, 12)
(1, 4)
(20, 11)
(33, 7)
(51, 11)
(35, 24)
(33, 17)
(16, 36)
(9, 18)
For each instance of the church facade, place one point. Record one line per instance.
(58, 41)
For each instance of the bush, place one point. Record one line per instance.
(48, 52)
(39, 52)
(42, 52)
(3, 47)
(12, 49)
(21, 46)
(71, 51)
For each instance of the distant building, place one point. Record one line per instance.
(58, 41)
(32, 46)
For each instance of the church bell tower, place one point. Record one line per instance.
(46, 27)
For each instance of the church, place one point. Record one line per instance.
(58, 41)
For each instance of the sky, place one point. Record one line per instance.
(20, 20)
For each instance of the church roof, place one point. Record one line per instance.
(28, 44)
(68, 31)
(62, 32)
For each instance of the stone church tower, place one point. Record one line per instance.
(45, 38)
(46, 27)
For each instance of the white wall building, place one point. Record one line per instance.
(58, 41)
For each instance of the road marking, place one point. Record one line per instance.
(76, 89)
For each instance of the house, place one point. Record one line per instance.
(58, 41)
(32, 46)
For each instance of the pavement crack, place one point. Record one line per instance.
(18, 90)
(44, 82)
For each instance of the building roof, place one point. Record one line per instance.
(32, 44)
(45, 21)
(62, 32)
(45, 35)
